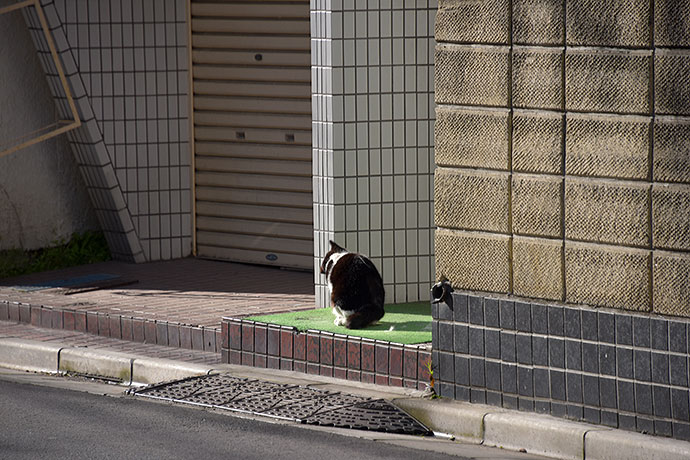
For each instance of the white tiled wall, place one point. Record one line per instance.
(372, 86)
(127, 64)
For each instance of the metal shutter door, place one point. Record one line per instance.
(252, 129)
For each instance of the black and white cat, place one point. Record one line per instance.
(356, 287)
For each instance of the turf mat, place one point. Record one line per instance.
(408, 323)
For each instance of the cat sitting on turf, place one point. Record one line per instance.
(356, 288)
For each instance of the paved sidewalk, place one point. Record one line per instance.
(180, 303)
(12, 330)
(189, 291)
(24, 347)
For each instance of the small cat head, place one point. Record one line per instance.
(327, 263)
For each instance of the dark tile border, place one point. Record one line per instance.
(115, 326)
(323, 353)
(616, 368)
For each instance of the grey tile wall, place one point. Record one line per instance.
(619, 369)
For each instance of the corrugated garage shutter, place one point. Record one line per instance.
(252, 129)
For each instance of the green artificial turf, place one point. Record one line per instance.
(407, 323)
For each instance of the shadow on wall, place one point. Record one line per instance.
(11, 230)
(42, 195)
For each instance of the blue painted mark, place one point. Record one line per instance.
(271, 257)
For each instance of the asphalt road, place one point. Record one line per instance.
(39, 422)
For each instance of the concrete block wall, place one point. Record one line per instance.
(127, 68)
(373, 151)
(562, 178)
(562, 153)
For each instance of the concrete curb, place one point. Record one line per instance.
(100, 363)
(539, 434)
(470, 423)
(462, 420)
(28, 355)
(617, 444)
(53, 358)
(151, 370)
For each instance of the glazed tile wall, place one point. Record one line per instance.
(605, 367)
(373, 121)
(127, 64)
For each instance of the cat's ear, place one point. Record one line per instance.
(335, 247)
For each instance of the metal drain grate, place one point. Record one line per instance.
(288, 402)
(375, 415)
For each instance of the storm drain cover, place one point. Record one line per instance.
(288, 402)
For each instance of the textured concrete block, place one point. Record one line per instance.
(471, 75)
(672, 82)
(471, 200)
(607, 276)
(537, 205)
(607, 80)
(538, 22)
(538, 268)
(624, 23)
(607, 146)
(671, 216)
(538, 78)
(671, 272)
(538, 142)
(476, 261)
(671, 150)
(472, 138)
(469, 21)
(607, 211)
(672, 22)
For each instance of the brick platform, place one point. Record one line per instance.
(180, 304)
(270, 346)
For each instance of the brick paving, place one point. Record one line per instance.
(188, 291)
(176, 303)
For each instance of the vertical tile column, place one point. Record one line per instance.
(323, 141)
(373, 120)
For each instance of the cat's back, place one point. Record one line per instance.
(354, 266)
(356, 281)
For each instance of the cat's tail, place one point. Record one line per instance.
(365, 316)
